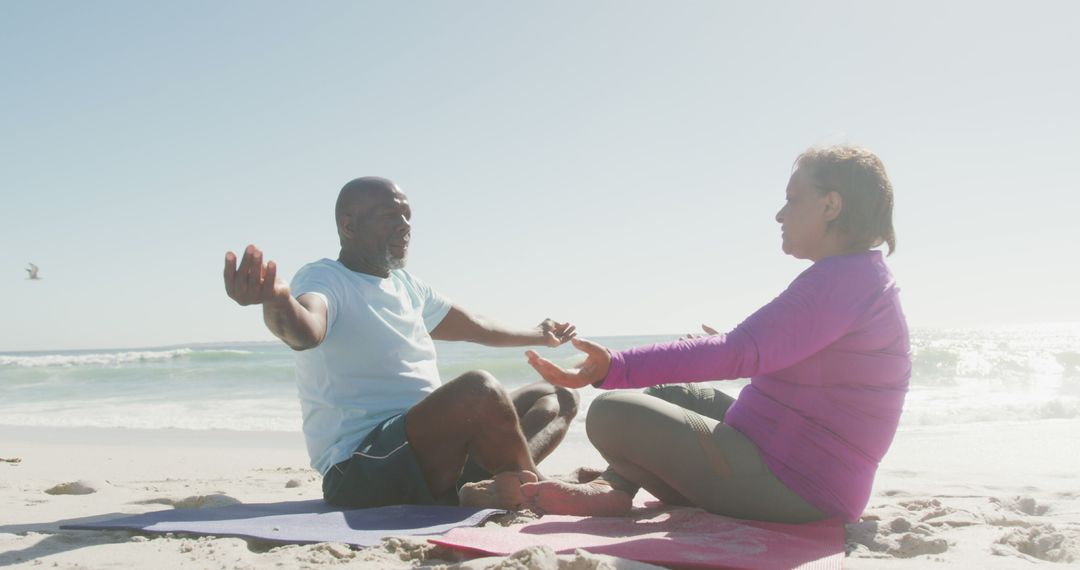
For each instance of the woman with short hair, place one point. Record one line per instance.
(829, 363)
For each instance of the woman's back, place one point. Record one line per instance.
(834, 362)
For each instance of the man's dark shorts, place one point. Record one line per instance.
(383, 471)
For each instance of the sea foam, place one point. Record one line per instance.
(98, 359)
(959, 376)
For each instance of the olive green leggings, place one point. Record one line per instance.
(672, 441)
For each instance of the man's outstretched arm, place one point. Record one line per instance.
(460, 324)
(300, 323)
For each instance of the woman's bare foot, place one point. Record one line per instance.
(593, 498)
(580, 475)
(501, 492)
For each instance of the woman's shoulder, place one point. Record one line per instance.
(870, 263)
(863, 271)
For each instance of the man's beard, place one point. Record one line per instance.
(392, 262)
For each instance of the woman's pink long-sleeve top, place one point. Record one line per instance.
(829, 362)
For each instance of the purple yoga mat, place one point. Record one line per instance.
(679, 538)
(301, 522)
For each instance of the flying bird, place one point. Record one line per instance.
(33, 272)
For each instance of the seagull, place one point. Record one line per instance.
(33, 271)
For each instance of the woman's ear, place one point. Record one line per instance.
(834, 204)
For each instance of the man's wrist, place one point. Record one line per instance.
(539, 335)
(279, 304)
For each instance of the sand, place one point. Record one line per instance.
(1001, 495)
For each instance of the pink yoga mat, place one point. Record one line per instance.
(680, 538)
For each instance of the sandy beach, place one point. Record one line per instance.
(832, 184)
(1001, 495)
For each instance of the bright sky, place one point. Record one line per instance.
(617, 164)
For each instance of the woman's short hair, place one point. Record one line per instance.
(858, 175)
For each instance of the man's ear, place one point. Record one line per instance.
(834, 204)
(346, 226)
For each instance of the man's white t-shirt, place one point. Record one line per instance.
(376, 361)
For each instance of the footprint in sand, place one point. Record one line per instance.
(934, 513)
(1029, 539)
(1013, 512)
(74, 488)
(1028, 506)
(331, 552)
(206, 501)
(864, 533)
(911, 530)
(1043, 542)
(899, 538)
(911, 545)
(193, 502)
(535, 557)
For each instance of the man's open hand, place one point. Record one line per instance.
(254, 282)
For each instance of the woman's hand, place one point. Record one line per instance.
(592, 370)
(708, 331)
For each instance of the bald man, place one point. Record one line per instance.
(379, 424)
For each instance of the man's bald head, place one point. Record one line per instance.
(373, 226)
(357, 194)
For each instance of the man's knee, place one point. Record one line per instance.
(478, 384)
(560, 403)
(480, 391)
(568, 402)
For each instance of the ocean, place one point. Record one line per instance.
(1009, 374)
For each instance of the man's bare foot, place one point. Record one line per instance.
(501, 492)
(594, 498)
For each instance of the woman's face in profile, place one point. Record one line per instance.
(803, 221)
